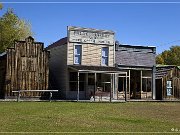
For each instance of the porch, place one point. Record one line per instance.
(94, 83)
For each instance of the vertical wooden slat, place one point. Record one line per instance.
(35, 72)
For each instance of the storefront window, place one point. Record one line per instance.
(73, 83)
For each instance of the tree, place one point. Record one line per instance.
(12, 28)
(1, 6)
(169, 57)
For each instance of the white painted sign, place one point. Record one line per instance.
(91, 36)
(169, 88)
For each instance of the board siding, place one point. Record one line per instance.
(91, 54)
(27, 68)
(58, 69)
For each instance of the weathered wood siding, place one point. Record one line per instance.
(58, 68)
(164, 74)
(27, 68)
(2, 74)
(135, 55)
(91, 54)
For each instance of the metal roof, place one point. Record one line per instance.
(97, 69)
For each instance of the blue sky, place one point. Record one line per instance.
(148, 24)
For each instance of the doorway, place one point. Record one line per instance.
(159, 89)
(121, 87)
(135, 78)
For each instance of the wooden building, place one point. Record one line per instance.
(82, 65)
(24, 67)
(167, 82)
(139, 63)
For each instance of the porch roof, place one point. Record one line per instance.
(95, 69)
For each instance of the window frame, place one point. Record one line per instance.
(77, 54)
(102, 64)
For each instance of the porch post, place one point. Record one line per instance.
(129, 84)
(154, 82)
(162, 89)
(117, 82)
(78, 88)
(141, 84)
(94, 85)
(111, 89)
(125, 88)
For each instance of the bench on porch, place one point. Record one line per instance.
(102, 94)
(20, 91)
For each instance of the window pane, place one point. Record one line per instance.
(105, 51)
(81, 86)
(105, 56)
(77, 59)
(73, 76)
(104, 60)
(73, 86)
(77, 54)
(82, 77)
(78, 49)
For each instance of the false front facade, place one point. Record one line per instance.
(24, 67)
(82, 64)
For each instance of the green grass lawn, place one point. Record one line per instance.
(89, 117)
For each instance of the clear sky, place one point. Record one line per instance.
(147, 24)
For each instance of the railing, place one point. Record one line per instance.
(20, 91)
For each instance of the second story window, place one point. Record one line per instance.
(105, 53)
(77, 54)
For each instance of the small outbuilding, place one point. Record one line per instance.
(167, 82)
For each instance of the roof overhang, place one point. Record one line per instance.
(96, 69)
(134, 67)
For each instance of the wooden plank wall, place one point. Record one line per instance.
(27, 68)
(174, 76)
(91, 54)
(2, 75)
(135, 55)
(58, 69)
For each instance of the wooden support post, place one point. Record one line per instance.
(125, 88)
(114, 85)
(18, 97)
(94, 85)
(111, 89)
(154, 82)
(141, 84)
(146, 87)
(129, 83)
(78, 88)
(50, 96)
(117, 81)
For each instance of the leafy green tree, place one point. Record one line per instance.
(159, 59)
(1, 6)
(12, 28)
(169, 57)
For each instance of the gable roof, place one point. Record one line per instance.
(62, 41)
(162, 70)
